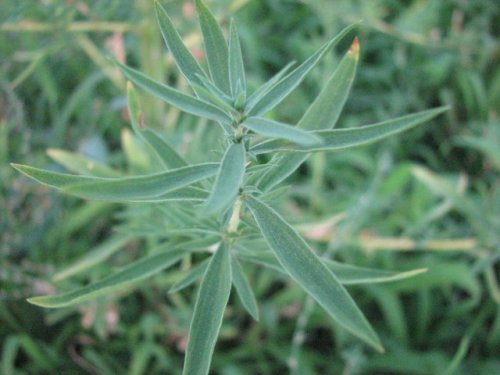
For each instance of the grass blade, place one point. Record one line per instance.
(274, 129)
(186, 62)
(190, 277)
(162, 149)
(236, 67)
(139, 270)
(174, 97)
(339, 139)
(208, 313)
(285, 86)
(229, 178)
(322, 114)
(215, 47)
(142, 187)
(307, 269)
(244, 290)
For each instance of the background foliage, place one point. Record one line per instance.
(428, 198)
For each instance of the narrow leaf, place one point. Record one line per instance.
(134, 272)
(190, 277)
(229, 178)
(274, 129)
(94, 256)
(243, 289)
(54, 179)
(307, 269)
(353, 275)
(80, 164)
(142, 187)
(214, 89)
(338, 139)
(189, 193)
(186, 62)
(322, 114)
(347, 274)
(211, 302)
(215, 47)
(237, 78)
(284, 87)
(210, 97)
(258, 94)
(162, 149)
(174, 97)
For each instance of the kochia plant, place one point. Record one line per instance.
(234, 206)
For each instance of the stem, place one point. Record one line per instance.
(235, 217)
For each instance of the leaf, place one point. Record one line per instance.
(191, 194)
(274, 129)
(139, 270)
(244, 290)
(94, 256)
(322, 114)
(186, 62)
(210, 97)
(215, 90)
(307, 269)
(162, 149)
(211, 302)
(237, 78)
(142, 187)
(215, 47)
(212, 93)
(353, 275)
(80, 164)
(190, 277)
(338, 139)
(54, 179)
(174, 97)
(286, 85)
(347, 274)
(258, 94)
(229, 178)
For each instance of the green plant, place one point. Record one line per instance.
(228, 220)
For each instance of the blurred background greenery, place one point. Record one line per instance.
(428, 198)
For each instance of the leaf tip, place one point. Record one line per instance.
(354, 49)
(19, 167)
(34, 301)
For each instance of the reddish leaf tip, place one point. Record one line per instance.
(354, 49)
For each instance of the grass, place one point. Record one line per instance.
(426, 199)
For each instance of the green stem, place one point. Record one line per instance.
(234, 221)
